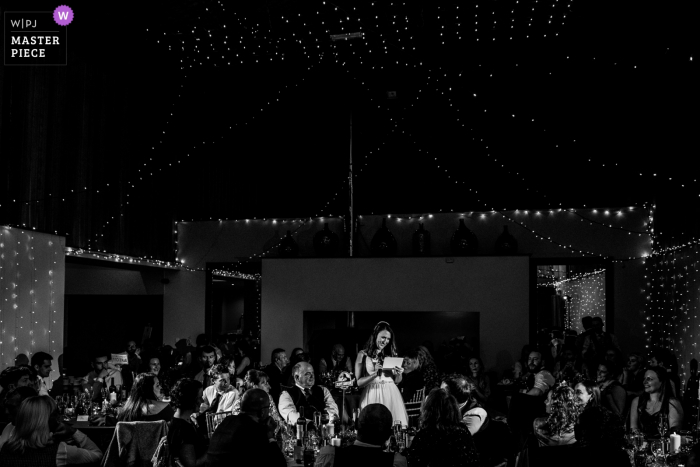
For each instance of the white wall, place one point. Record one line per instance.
(496, 287)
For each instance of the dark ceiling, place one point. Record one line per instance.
(199, 110)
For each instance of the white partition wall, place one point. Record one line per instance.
(495, 287)
(32, 284)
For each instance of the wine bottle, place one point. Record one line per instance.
(112, 392)
(299, 452)
(301, 424)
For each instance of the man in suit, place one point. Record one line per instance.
(306, 394)
(274, 370)
(248, 438)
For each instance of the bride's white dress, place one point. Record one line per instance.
(383, 390)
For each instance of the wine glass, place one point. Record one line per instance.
(663, 424)
(660, 450)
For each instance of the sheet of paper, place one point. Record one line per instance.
(391, 362)
(82, 418)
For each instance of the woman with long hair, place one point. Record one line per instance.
(558, 427)
(442, 439)
(38, 437)
(428, 368)
(187, 447)
(379, 384)
(656, 401)
(481, 384)
(241, 351)
(596, 425)
(144, 402)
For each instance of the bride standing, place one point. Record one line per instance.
(379, 383)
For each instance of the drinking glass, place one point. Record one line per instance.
(659, 449)
(317, 420)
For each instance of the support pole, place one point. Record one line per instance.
(352, 206)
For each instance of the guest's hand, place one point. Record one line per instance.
(63, 432)
(98, 420)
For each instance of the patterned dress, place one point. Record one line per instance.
(383, 390)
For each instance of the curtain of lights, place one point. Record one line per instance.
(586, 297)
(32, 278)
(673, 294)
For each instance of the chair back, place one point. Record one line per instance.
(214, 419)
(134, 444)
(414, 405)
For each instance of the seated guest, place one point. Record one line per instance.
(613, 395)
(565, 368)
(41, 362)
(539, 380)
(144, 402)
(428, 369)
(305, 394)
(247, 438)
(101, 376)
(337, 362)
(646, 410)
(39, 440)
(155, 367)
(14, 377)
(374, 427)
(13, 400)
(133, 368)
(220, 396)
(665, 359)
(558, 427)
(241, 351)
(633, 375)
(471, 413)
(595, 423)
(412, 380)
(442, 439)
(207, 359)
(298, 355)
(278, 363)
(21, 360)
(256, 379)
(187, 447)
(481, 384)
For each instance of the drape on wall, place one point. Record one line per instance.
(32, 284)
(586, 298)
(672, 312)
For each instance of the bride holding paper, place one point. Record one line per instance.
(378, 370)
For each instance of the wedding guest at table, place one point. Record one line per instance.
(442, 439)
(428, 368)
(481, 390)
(101, 375)
(566, 368)
(558, 427)
(242, 352)
(305, 393)
(221, 396)
(144, 402)
(298, 355)
(14, 399)
(337, 362)
(379, 385)
(374, 428)
(133, 368)
(14, 377)
(633, 375)
(256, 379)
(596, 425)
(247, 438)
(412, 379)
(647, 409)
(472, 414)
(665, 359)
(187, 447)
(207, 359)
(35, 439)
(598, 342)
(21, 359)
(278, 363)
(613, 395)
(41, 362)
